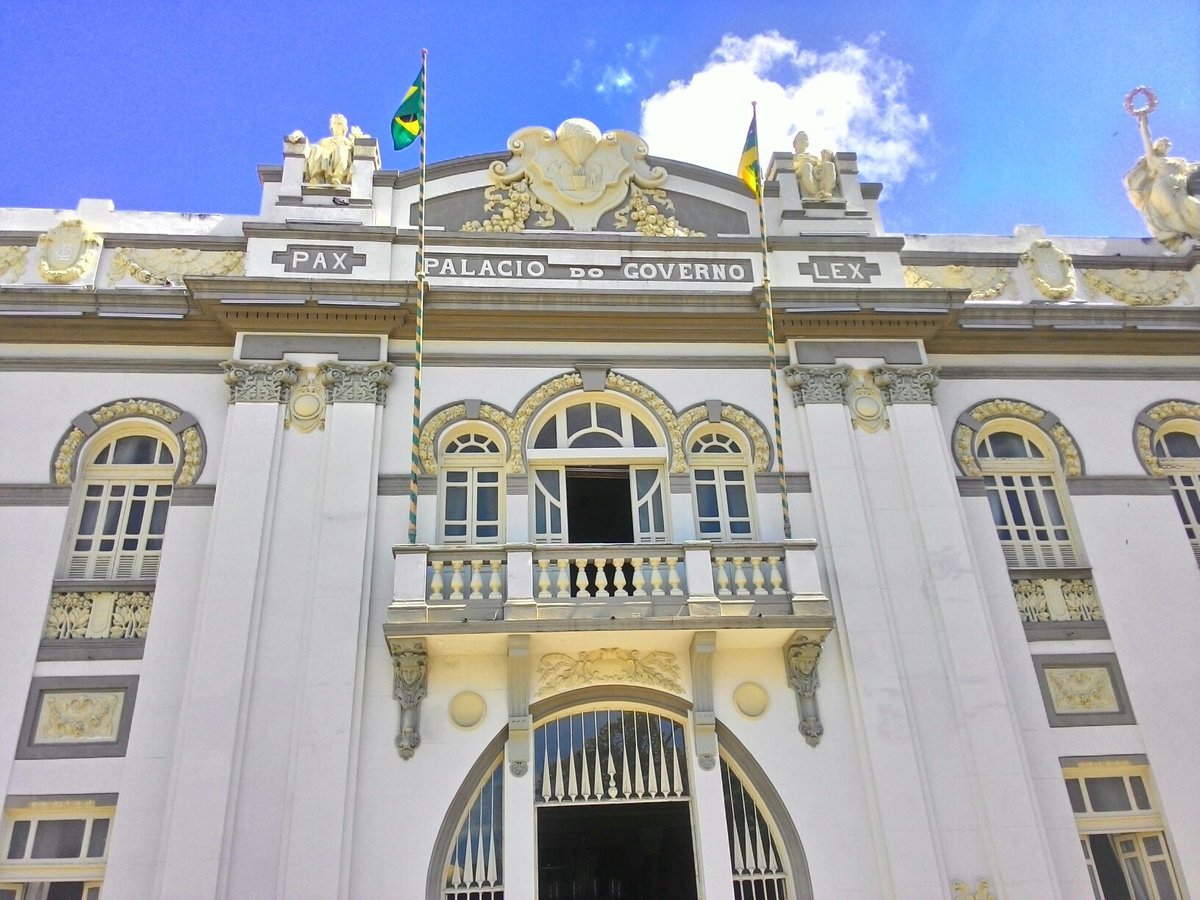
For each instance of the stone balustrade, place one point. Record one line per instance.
(541, 581)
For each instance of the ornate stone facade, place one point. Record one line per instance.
(260, 382)
(410, 683)
(608, 665)
(801, 656)
(907, 384)
(353, 383)
(817, 384)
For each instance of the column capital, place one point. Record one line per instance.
(356, 382)
(260, 382)
(906, 384)
(817, 384)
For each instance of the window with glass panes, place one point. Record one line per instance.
(1178, 451)
(1022, 483)
(471, 498)
(1121, 831)
(721, 488)
(54, 852)
(123, 499)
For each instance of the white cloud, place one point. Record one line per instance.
(853, 98)
(572, 77)
(617, 79)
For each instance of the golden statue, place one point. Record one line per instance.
(817, 174)
(1163, 188)
(330, 160)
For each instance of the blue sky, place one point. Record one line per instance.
(977, 116)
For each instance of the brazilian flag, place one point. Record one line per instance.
(748, 168)
(409, 120)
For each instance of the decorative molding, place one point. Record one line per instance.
(801, 655)
(67, 252)
(906, 384)
(868, 408)
(77, 717)
(984, 282)
(704, 718)
(12, 262)
(648, 221)
(169, 265)
(817, 384)
(191, 440)
(574, 170)
(972, 421)
(1137, 287)
(260, 382)
(1083, 689)
(75, 615)
(356, 382)
(1050, 270)
(410, 683)
(992, 409)
(1057, 600)
(962, 890)
(306, 403)
(608, 665)
(1147, 424)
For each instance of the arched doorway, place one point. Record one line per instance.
(612, 789)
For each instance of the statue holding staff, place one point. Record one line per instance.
(1163, 188)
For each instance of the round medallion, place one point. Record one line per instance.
(751, 699)
(306, 406)
(467, 709)
(867, 407)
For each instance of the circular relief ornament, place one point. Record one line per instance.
(306, 404)
(467, 709)
(67, 252)
(751, 699)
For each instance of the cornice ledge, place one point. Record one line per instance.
(340, 231)
(266, 289)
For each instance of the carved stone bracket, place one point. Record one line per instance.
(350, 383)
(520, 723)
(906, 384)
(801, 655)
(704, 718)
(410, 682)
(260, 382)
(817, 384)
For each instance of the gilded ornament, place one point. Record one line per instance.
(1031, 601)
(193, 449)
(1144, 436)
(868, 409)
(1050, 269)
(1144, 439)
(306, 405)
(170, 265)
(514, 205)
(1083, 605)
(67, 252)
(964, 450)
(429, 432)
(1136, 287)
(545, 391)
(647, 219)
(758, 437)
(660, 407)
(1175, 409)
(1015, 408)
(70, 716)
(1164, 189)
(131, 615)
(574, 170)
(560, 671)
(1077, 690)
(330, 161)
(64, 460)
(962, 891)
(816, 175)
(1072, 464)
(68, 616)
(984, 282)
(12, 262)
(135, 407)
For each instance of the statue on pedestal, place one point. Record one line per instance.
(817, 174)
(1163, 188)
(330, 160)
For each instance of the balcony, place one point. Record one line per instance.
(522, 582)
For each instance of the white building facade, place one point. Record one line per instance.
(929, 632)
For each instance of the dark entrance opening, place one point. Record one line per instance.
(599, 511)
(619, 851)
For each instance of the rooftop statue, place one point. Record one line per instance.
(817, 174)
(1163, 188)
(330, 160)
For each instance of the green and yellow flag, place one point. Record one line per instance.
(409, 119)
(748, 168)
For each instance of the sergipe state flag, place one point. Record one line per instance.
(409, 119)
(748, 169)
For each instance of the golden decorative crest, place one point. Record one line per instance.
(1136, 287)
(67, 252)
(1050, 269)
(575, 171)
(984, 282)
(560, 671)
(1082, 689)
(868, 408)
(306, 404)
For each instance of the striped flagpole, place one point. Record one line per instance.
(770, 311)
(419, 337)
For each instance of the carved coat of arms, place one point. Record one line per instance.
(67, 251)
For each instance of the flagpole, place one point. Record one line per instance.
(419, 337)
(770, 310)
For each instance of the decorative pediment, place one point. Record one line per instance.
(574, 171)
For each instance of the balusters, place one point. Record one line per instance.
(756, 575)
(673, 579)
(495, 585)
(456, 579)
(656, 576)
(776, 576)
(476, 579)
(437, 585)
(639, 576)
(721, 573)
(739, 577)
(564, 579)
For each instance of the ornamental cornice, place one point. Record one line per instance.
(984, 282)
(906, 384)
(817, 384)
(260, 382)
(161, 266)
(1137, 287)
(355, 382)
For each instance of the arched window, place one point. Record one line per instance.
(721, 483)
(1022, 477)
(471, 482)
(1177, 447)
(122, 498)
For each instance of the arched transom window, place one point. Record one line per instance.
(1177, 447)
(122, 502)
(721, 486)
(1023, 481)
(593, 424)
(471, 487)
